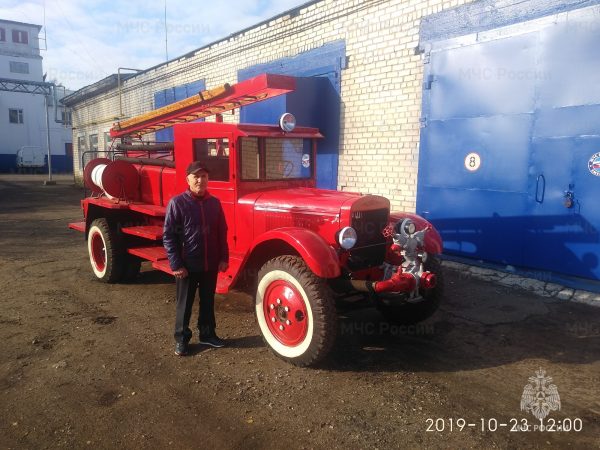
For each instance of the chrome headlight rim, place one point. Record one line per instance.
(347, 238)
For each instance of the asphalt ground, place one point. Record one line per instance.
(89, 365)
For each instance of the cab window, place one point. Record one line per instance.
(214, 154)
(276, 158)
(250, 160)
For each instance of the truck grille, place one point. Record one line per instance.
(370, 246)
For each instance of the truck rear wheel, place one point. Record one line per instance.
(411, 313)
(106, 259)
(131, 269)
(295, 312)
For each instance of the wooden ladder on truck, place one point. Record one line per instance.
(212, 102)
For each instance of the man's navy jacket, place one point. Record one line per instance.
(195, 233)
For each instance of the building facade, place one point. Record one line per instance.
(23, 114)
(369, 50)
(467, 112)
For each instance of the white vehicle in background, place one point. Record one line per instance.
(30, 158)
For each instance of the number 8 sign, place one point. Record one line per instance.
(472, 162)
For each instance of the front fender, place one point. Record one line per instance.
(320, 257)
(433, 240)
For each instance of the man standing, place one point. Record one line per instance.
(195, 237)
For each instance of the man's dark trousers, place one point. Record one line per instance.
(205, 283)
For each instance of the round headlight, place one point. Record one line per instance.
(347, 238)
(287, 122)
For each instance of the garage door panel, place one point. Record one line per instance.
(484, 79)
(478, 224)
(567, 121)
(500, 141)
(569, 63)
(586, 188)
(551, 161)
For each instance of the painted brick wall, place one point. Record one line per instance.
(381, 85)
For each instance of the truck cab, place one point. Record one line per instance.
(265, 180)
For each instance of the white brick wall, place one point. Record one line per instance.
(381, 87)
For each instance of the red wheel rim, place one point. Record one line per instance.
(285, 313)
(98, 251)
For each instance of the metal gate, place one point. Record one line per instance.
(510, 145)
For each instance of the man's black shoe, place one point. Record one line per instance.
(181, 348)
(213, 341)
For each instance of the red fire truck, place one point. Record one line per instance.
(297, 248)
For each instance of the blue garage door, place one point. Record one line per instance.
(510, 127)
(315, 102)
(171, 95)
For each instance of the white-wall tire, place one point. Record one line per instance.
(295, 313)
(105, 258)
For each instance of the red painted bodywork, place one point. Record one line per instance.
(320, 256)
(261, 214)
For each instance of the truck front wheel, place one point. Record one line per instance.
(105, 257)
(295, 312)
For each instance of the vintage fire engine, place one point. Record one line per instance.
(297, 248)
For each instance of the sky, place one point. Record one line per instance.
(87, 40)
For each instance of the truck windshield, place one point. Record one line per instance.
(276, 158)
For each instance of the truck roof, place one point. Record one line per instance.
(249, 129)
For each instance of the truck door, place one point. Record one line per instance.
(214, 152)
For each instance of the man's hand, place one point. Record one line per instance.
(223, 266)
(181, 273)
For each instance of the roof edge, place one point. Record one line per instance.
(14, 22)
(97, 88)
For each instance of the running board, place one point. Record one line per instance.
(152, 232)
(154, 254)
(163, 266)
(149, 210)
(77, 226)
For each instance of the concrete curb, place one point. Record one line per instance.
(537, 287)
